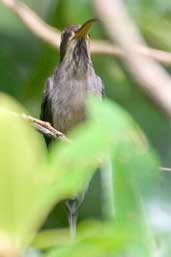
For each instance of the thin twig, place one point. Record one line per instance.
(165, 169)
(51, 35)
(45, 128)
(42, 126)
(151, 77)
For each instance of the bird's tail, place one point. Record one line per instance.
(73, 206)
(72, 220)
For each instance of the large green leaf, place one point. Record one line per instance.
(71, 165)
(95, 239)
(32, 184)
(21, 155)
(135, 168)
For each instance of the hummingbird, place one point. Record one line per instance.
(66, 90)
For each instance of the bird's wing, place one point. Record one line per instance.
(101, 86)
(46, 112)
(103, 90)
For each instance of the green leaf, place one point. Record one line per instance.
(71, 165)
(32, 184)
(109, 128)
(98, 239)
(21, 153)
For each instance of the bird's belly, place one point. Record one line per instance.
(69, 111)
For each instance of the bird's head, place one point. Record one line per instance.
(75, 42)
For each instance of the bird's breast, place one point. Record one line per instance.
(68, 105)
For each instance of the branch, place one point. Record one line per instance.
(103, 47)
(165, 169)
(151, 77)
(52, 36)
(45, 128)
(32, 21)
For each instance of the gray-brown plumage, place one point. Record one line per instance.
(67, 88)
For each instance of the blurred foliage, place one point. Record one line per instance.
(32, 182)
(25, 63)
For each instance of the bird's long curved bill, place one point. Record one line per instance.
(83, 31)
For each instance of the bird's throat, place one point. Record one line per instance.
(78, 60)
